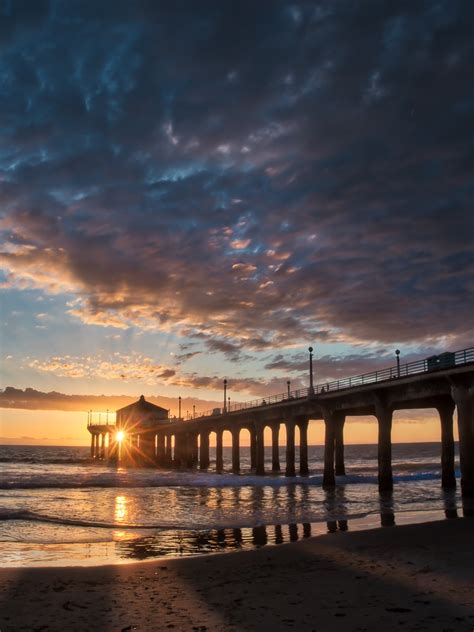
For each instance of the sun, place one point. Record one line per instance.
(120, 436)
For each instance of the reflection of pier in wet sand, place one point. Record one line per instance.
(172, 543)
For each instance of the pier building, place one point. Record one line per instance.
(132, 439)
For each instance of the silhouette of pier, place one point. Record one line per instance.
(145, 435)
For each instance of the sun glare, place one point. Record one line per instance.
(120, 436)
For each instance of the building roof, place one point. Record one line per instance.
(142, 405)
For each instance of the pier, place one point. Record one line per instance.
(444, 382)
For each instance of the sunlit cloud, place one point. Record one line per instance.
(121, 367)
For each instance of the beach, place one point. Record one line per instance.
(414, 577)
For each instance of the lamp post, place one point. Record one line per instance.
(228, 404)
(288, 386)
(179, 407)
(194, 411)
(311, 388)
(397, 353)
(225, 396)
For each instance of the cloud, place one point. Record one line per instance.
(124, 367)
(344, 133)
(32, 399)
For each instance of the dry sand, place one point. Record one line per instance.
(416, 577)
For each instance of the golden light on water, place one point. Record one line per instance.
(120, 512)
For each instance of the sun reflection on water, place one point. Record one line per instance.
(121, 510)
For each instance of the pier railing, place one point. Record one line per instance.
(431, 364)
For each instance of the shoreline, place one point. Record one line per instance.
(107, 553)
(417, 576)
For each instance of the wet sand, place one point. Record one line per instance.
(414, 577)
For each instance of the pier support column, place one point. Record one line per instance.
(236, 450)
(160, 449)
(175, 443)
(448, 478)
(260, 451)
(102, 446)
(275, 448)
(188, 449)
(384, 417)
(253, 448)
(290, 448)
(219, 451)
(113, 449)
(96, 449)
(194, 450)
(204, 451)
(177, 450)
(168, 450)
(147, 448)
(184, 450)
(463, 396)
(339, 445)
(92, 446)
(330, 421)
(303, 426)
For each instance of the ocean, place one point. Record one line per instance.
(59, 508)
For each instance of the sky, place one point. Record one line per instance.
(198, 191)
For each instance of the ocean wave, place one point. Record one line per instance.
(232, 522)
(203, 480)
(45, 460)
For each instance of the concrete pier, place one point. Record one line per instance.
(446, 385)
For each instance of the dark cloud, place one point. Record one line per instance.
(260, 173)
(328, 367)
(168, 373)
